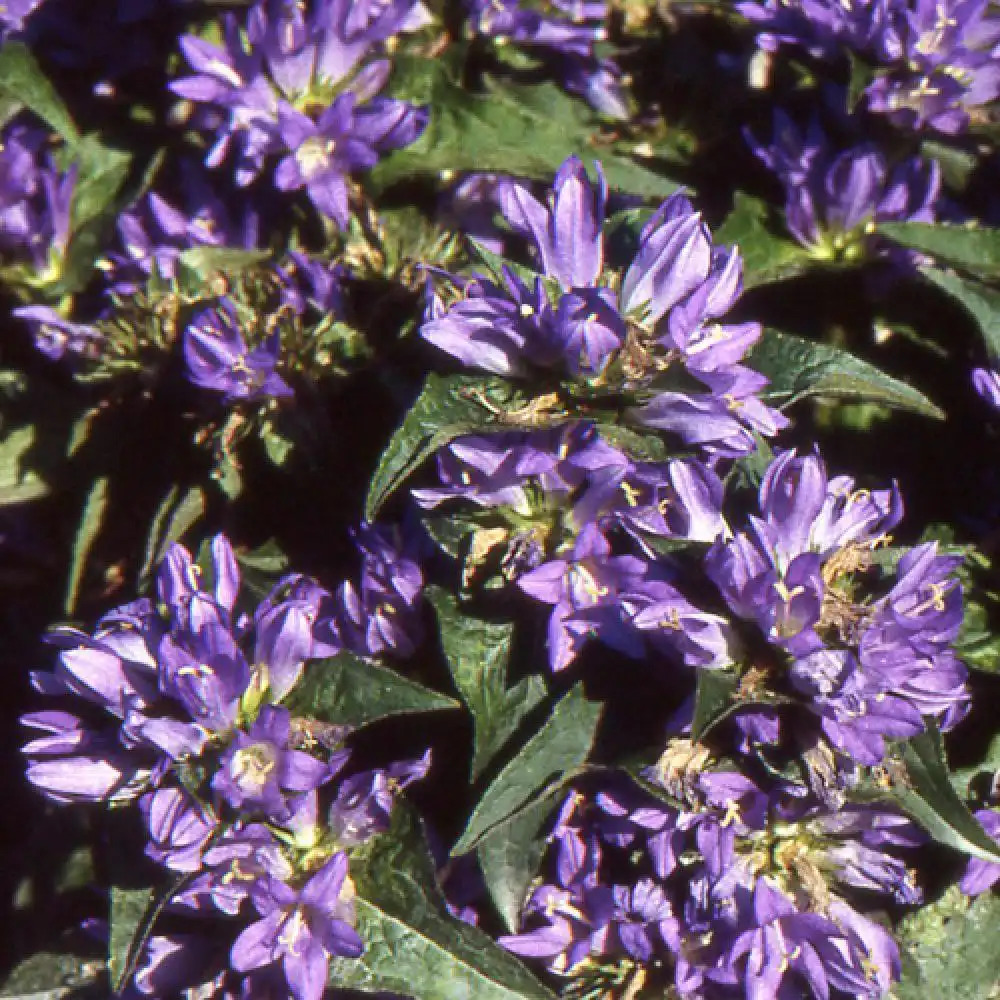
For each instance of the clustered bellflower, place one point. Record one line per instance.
(176, 704)
(643, 331)
(834, 199)
(299, 85)
(936, 60)
(563, 32)
(739, 889)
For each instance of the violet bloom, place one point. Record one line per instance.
(564, 35)
(35, 205)
(153, 234)
(836, 198)
(261, 91)
(218, 357)
(260, 768)
(57, 337)
(980, 875)
(943, 68)
(986, 382)
(381, 614)
(302, 929)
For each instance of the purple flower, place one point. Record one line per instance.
(218, 358)
(154, 233)
(381, 614)
(260, 90)
(260, 767)
(57, 337)
(986, 382)
(980, 875)
(835, 198)
(301, 928)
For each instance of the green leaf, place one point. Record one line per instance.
(714, 697)
(178, 513)
(91, 521)
(549, 759)
(22, 80)
(102, 171)
(980, 301)
(478, 653)
(17, 482)
(929, 797)
(412, 946)
(197, 265)
(448, 406)
(346, 690)
(949, 950)
(976, 250)
(767, 256)
(132, 914)
(515, 128)
(510, 856)
(799, 368)
(53, 976)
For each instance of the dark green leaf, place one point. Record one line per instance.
(487, 132)
(976, 250)
(18, 483)
(448, 406)
(132, 914)
(510, 854)
(549, 759)
(91, 521)
(478, 653)
(197, 265)
(929, 797)
(450, 531)
(411, 945)
(799, 368)
(22, 80)
(713, 700)
(981, 302)
(177, 513)
(53, 976)
(949, 950)
(102, 172)
(346, 690)
(266, 558)
(767, 256)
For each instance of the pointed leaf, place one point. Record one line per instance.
(131, 910)
(91, 521)
(411, 945)
(346, 690)
(53, 976)
(510, 856)
(767, 256)
(980, 301)
(976, 250)
(928, 796)
(487, 131)
(478, 653)
(22, 80)
(448, 406)
(19, 483)
(713, 699)
(177, 513)
(799, 368)
(549, 759)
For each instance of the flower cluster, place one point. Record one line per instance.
(937, 58)
(254, 804)
(653, 332)
(738, 889)
(564, 33)
(301, 86)
(835, 198)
